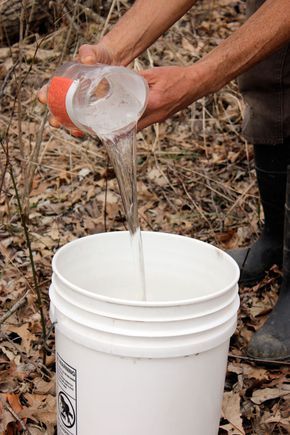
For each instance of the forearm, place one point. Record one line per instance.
(144, 22)
(265, 32)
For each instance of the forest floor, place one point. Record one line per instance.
(195, 177)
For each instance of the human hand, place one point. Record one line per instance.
(170, 89)
(89, 55)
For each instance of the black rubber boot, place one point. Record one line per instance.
(272, 341)
(271, 164)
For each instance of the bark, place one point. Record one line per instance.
(12, 12)
(28, 16)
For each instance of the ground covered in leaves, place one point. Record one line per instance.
(195, 177)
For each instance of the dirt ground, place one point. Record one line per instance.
(195, 177)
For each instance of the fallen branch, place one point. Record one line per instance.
(262, 361)
(14, 308)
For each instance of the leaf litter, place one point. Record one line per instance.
(195, 177)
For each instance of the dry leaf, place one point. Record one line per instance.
(24, 333)
(230, 429)
(4, 52)
(40, 407)
(231, 411)
(200, 149)
(157, 177)
(260, 396)
(255, 372)
(110, 197)
(5, 417)
(14, 402)
(43, 387)
(83, 173)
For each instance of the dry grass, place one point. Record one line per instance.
(195, 177)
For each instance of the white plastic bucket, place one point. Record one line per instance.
(127, 367)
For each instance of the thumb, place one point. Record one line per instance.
(148, 75)
(87, 54)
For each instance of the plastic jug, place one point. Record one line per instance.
(97, 99)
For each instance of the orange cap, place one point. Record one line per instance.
(56, 99)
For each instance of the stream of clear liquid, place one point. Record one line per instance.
(121, 149)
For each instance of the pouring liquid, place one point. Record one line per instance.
(121, 148)
(110, 106)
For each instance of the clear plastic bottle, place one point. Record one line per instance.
(97, 99)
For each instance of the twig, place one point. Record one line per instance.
(3, 170)
(30, 18)
(203, 102)
(91, 14)
(156, 144)
(262, 361)
(14, 308)
(245, 192)
(34, 160)
(7, 78)
(72, 19)
(17, 418)
(207, 180)
(197, 207)
(19, 87)
(38, 365)
(108, 18)
(17, 267)
(143, 216)
(34, 274)
(69, 32)
(200, 174)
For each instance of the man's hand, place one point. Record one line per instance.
(89, 55)
(170, 89)
(98, 53)
(143, 23)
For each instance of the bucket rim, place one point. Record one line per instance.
(146, 304)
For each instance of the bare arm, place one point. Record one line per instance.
(174, 88)
(139, 27)
(262, 34)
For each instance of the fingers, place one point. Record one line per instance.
(42, 95)
(54, 122)
(76, 133)
(146, 121)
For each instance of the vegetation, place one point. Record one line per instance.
(195, 177)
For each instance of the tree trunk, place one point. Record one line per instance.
(17, 16)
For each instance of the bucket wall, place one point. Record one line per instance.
(127, 367)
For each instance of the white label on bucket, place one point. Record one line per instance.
(67, 397)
